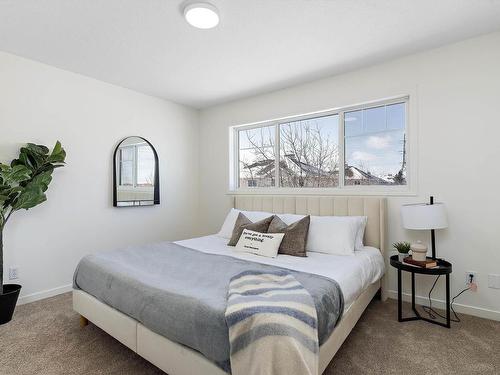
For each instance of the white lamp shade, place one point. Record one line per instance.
(424, 216)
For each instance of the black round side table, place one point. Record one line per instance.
(443, 268)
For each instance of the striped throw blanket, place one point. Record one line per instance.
(272, 325)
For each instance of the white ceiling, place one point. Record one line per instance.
(259, 45)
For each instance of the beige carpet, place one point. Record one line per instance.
(45, 338)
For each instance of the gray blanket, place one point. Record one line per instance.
(181, 293)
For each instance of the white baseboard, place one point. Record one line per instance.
(440, 304)
(44, 294)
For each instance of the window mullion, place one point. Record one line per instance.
(136, 166)
(236, 158)
(277, 155)
(341, 149)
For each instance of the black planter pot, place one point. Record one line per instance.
(8, 302)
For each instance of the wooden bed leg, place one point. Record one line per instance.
(83, 321)
(378, 295)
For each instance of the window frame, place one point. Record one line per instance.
(135, 165)
(341, 189)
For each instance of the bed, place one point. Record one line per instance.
(359, 277)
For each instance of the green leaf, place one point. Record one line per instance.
(37, 149)
(30, 197)
(24, 159)
(58, 154)
(46, 168)
(56, 159)
(57, 148)
(15, 190)
(42, 180)
(31, 158)
(23, 184)
(15, 175)
(12, 195)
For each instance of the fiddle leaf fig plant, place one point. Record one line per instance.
(24, 182)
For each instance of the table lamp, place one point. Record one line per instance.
(425, 216)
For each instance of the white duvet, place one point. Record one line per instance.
(353, 273)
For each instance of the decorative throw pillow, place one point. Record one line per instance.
(264, 244)
(242, 222)
(294, 241)
(226, 230)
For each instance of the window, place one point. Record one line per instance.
(145, 166)
(370, 142)
(375, 146)
(256, 157)
(127, 166)
(137, 165)
(309, 152)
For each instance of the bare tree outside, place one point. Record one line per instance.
(257, 157)
(308, 153)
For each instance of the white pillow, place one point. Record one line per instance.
(226, 230)
(227, 227)
(264, 244)
(332, 235)
(359, 222)
(339, 235)
(362, 220)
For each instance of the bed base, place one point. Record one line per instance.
(176, 359)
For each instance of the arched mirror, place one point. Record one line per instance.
(135, 173)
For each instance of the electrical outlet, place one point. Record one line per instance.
(13, 273)
(470, 277)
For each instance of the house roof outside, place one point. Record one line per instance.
(265, 168)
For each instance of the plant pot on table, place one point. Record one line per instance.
(401, 256)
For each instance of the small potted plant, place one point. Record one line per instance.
(403, 248)
(23, 184)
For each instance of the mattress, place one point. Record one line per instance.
(353, 273)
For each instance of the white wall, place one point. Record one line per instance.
(42, 104)
(457, 89)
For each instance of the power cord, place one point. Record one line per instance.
(433, 314)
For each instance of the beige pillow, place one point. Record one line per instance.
(242, 222)
(295, 239)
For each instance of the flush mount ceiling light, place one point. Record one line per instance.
(201, 15)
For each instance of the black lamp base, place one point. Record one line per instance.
(433, 236)
(433, 244)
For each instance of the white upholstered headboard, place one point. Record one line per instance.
(372, 207)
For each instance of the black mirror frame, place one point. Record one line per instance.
(156, 193)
